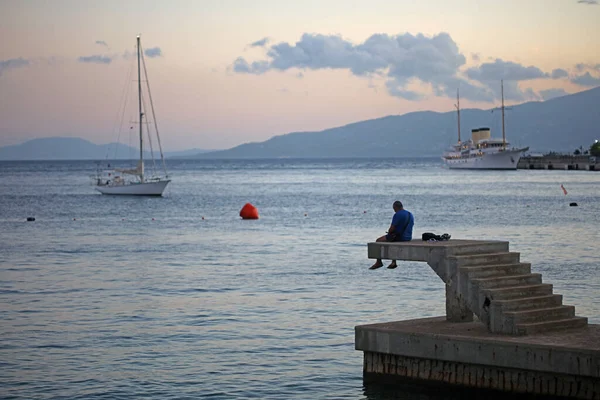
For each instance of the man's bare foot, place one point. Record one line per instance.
(378, 264)
(392, 265)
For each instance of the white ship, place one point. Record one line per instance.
(482, 151)
(135, 182)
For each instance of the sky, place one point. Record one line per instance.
(228, 72)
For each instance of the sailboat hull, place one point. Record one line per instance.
(135, 189)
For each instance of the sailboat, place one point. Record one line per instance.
(482, 151)
(135, 181)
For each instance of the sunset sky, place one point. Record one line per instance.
(230, 71)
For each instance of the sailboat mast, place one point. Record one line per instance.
(140, 108)
(458, 112)
(503, 133)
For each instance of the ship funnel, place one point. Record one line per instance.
(480, 134)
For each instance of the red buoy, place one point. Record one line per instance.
(249, 212)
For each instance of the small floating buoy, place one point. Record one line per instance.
(572, 204)
(249, 212)
(364, 212)
(203, 218)
(122, 219)
(74, 219)
(305, 214)
(30, 219)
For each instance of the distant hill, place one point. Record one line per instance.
(185, 153)
(561, 124)
(60, 148)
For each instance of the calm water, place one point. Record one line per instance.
(176, 297)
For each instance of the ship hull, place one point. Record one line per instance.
(506, 160)
(135, 189)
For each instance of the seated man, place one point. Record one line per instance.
(400, 231)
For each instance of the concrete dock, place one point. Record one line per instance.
(504, 329)
(564, 162)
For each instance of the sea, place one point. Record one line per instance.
(177, 297)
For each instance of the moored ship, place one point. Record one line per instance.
(482, 151)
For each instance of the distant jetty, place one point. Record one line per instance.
(560, 161)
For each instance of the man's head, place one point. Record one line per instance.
(397, 205)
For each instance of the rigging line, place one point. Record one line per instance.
(123, 105)
(162, 157)
(148, 134)
(116, 119)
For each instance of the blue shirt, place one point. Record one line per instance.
(399, 220)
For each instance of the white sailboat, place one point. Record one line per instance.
(135, 182)
(482, 151)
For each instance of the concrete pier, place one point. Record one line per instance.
(564, 162)
(504, 329)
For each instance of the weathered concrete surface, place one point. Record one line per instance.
(561, 355)
(391, 369)
(437, 254)
(564, 363)
(485, 279)
(418, 250)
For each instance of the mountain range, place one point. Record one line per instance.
(561, 124)
(62, 148)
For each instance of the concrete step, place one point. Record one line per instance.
(559, 324)
(478, 300)
(485, 259)
(526, 303)
(480, 248)
(492, 271)
(518, 291)
(507, 281)
(539, 315)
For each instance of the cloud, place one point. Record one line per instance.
(260, 43)
(590, 2)
(404, 60)
(95, 59)
(552, 93)
(530, 94)
(240, 65)
(153, 52)
(583, 67)
(586, 80)
(397, 89)
(13, 63)
(559, 73)
(101, 43)
(512, 73)
(507, 70)
(401, 59)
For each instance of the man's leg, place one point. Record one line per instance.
(378, 263)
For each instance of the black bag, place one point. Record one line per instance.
(428, 236)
